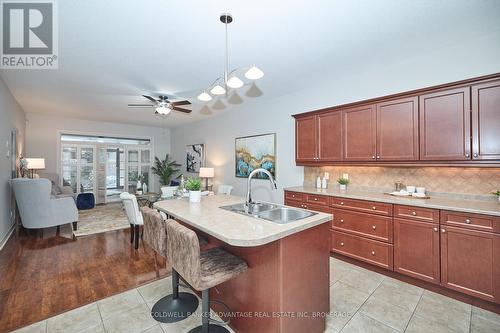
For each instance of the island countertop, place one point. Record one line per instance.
(230, 227)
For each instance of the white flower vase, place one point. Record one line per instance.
(343, 187)
(194, 196)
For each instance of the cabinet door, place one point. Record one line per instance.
(330, 136)
(445, 125)
(359, 133)
(470, 262)
(416, 249)
(305, 139)
(397, 130)
(486, 121)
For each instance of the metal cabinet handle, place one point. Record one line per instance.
(467, 154)
(374, 227)
(342, 244)
(443, 230)
(414, 213)
(341, 202)
(315, 199)
(378, 157)
(374, 208)
(436, 229)
(373, 157)
(341, 220)
(475, 155)
(373, 253)
(293, 195)
(467, 221)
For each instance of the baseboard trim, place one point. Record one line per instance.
(6, 238)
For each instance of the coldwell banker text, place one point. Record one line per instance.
(29, 34)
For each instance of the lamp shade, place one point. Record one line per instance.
(218, 90)
(234, 82)
(204, 97)
(35, 163)
(254, 73)
(206, 172)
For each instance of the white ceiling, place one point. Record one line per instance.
(111, 52)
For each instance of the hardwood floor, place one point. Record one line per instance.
(42, 277)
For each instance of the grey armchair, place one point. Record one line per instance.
(36, 207)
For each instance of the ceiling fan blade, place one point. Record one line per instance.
(181, 109)
(140, 105)
(150, 98)
(181, 103)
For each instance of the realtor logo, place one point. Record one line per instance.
(29, 34)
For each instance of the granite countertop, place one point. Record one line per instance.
(439, 202)
(233, 228)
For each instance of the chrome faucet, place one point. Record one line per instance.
(249, 183)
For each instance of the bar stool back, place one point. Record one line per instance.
(202, 270)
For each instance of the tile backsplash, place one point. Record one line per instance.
(474, 181)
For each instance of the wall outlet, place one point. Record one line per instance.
(345, 176)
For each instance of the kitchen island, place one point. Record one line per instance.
(286, 288)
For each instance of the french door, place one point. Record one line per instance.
(138, 167)
(78, 165)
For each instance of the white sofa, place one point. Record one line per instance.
(38, 209)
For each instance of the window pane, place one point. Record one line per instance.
(145, 156)
(87, 155)
(69, 155)
(87, 179)
(133, 156)
(133, 177)
(145, 169)
(69, 176)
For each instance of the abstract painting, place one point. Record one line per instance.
(195, 157)
(253, 152)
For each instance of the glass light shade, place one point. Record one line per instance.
(204, 97)
(234, 82)
(206, 172)
(218, 90)
(163, 110)
(254, 73)
(35, 163)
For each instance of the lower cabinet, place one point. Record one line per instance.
(470, 262)
(416, 249)
(368, 250)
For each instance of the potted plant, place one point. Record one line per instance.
(193, 185)
(166, 169)
(497, 193)
(343, 183)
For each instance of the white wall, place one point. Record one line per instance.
(42, 135)
(11, 116)
(373, 78)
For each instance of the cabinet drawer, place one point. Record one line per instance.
(362, 224)
(417, 213)
(302, 205)
(471, 221)
(293, 203)
(317, 199)
(294, 196)
(371, 251)
(363, 206)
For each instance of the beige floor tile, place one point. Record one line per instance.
(483, 325)
(155, 290)
(338, 269)
(419, 324)
(344, 302)
(438, 308)
(398, 293)
(94, 329)
(154, 329)
(40, 327)
(119, 303)
(386, 313)
(488, 315)
(364, 324)
(362, 279)
(135, 320)
(75, 320)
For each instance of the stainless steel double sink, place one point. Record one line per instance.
(270, 212)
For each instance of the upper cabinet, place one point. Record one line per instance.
(445, 125)
(453, 124)
(486, 121)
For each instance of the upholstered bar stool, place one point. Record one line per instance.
(202, 270)
(178, 305)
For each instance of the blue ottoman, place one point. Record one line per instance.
(85, 201)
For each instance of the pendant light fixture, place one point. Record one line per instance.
(229, 79)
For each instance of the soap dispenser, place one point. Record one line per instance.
(318, 182)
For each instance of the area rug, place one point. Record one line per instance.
(102, 218)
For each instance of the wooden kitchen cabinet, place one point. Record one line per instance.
(305, 139)
(397, 130)
(359, 133)
(416, 249)
(486, 121)
(470, 262)
(329, 137)
(445, 125)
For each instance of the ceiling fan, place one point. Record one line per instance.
(163, 106)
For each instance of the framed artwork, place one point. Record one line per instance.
(253, 152)
(195, 157)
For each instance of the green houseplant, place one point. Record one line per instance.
(497, 193)
(193, 185)
(166, 170)
(343, 183)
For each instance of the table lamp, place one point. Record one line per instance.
(35, 164)
(206, 173)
